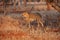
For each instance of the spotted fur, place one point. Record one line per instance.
(30, 17)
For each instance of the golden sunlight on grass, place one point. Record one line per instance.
(12, 29)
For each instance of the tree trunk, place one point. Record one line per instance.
(48, 5)
(25, 3)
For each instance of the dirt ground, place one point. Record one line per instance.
(12, 29)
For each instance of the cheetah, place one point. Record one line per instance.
(30, 17)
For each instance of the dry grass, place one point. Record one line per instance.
(12, 29)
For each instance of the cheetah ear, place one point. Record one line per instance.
(28, 12)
